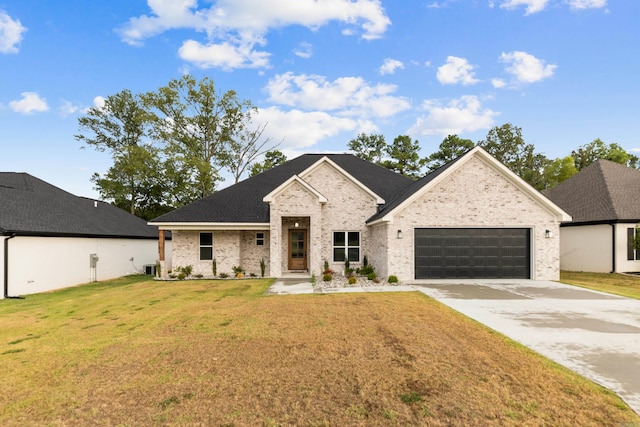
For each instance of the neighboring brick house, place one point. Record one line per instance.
(51, 239)
(472, 218)
(604, 201)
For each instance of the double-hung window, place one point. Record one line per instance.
(346, 246)
(259, 239)
(206, 246)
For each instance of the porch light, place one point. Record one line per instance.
(548, 234)
(399, 234)
(296, 225)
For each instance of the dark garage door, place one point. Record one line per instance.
(478, 253)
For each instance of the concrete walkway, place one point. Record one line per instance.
(592, 333)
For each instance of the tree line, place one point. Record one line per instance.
(504, 142)
(171, 146)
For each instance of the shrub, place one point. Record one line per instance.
(365, 261)
(253, 275)
(263, 267)
(392, 279)
(181, 275)
(372, 275)
(158, 269)
(327, 277)
(214, 267)
(326, 265)
(198, 276)
(223, 275)
(237, 269)
(187, 270)
(352, 280)
(365, 270)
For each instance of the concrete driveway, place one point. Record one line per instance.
(592, 333)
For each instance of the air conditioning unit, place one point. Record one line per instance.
(150, 269)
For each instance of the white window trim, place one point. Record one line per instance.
(346, 245)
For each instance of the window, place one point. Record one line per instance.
(206, 246)
(633, 234)
(259, 239)
(346, 245)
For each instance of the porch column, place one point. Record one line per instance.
(161, 245)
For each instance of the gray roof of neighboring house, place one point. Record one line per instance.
(242, 202)
(604, 191)
(30, 206)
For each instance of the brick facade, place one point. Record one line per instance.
(322, 200)
(476, 195)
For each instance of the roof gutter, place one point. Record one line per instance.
(6, 267)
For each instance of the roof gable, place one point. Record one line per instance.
(423, 185)
(604, 191)
(243, 203)
(31, 206)
(294, 179)
(325, 160)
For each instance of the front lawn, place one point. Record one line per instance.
(139, 352)
(620, 284)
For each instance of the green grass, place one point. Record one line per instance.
(134, 351)
(620, 284)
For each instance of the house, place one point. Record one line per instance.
(472, 218)
(604, 201)
(51, 239)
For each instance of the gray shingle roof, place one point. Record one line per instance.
(30, 206)
(242, 202)
(604, 191)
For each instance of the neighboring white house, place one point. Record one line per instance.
(604, 201)
(472, 218)
(51, 239)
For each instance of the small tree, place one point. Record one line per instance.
(368, 147)
(404, 157)
(451, 148)
(272, 159)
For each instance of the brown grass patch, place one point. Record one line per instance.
(620, 284)
(218, 353)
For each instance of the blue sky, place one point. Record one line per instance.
(320, 72)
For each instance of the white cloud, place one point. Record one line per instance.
(299, 129)
(456, 70)
(347, 96)
(390, 66)
(11, 32)
(29, 103)
(304, 50)
(67, 108)
(527, 68)
(459, 115)
(498, 83)
(224, 55)
(532, 6)
(235, 26)
(587, 4)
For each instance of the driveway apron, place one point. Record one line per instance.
(592, 333)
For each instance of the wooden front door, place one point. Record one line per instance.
(297, 249)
